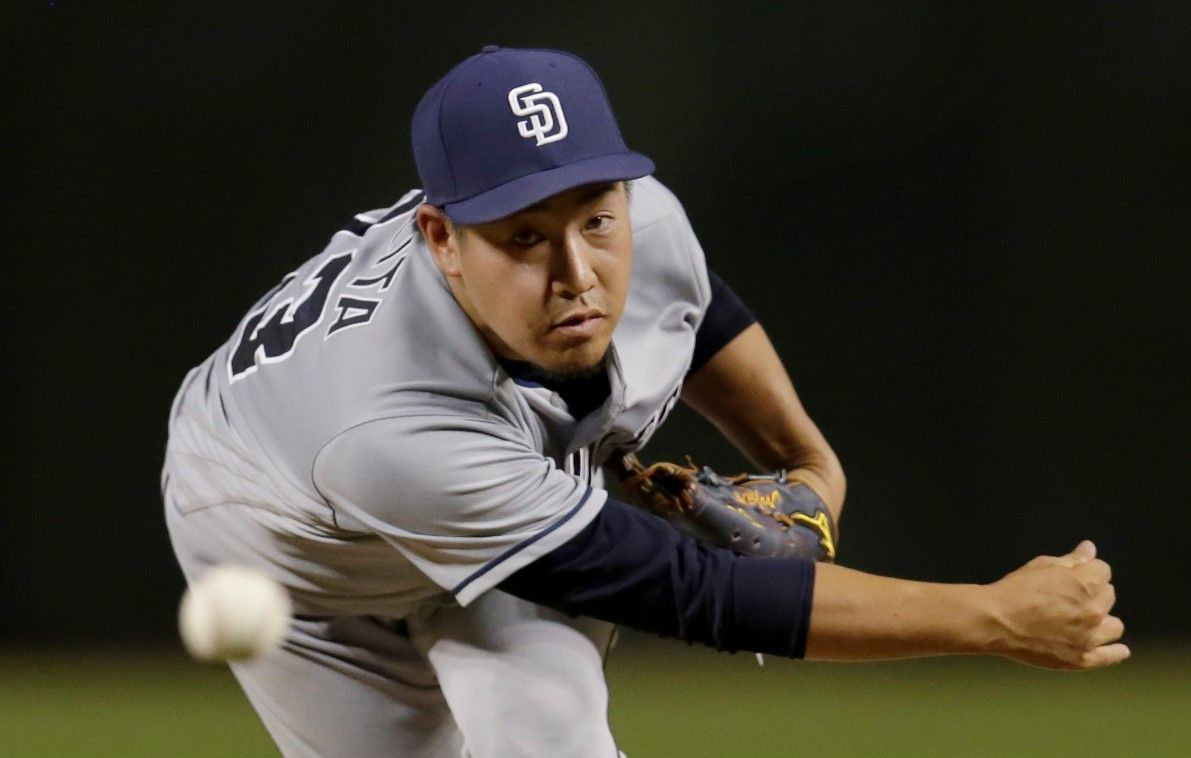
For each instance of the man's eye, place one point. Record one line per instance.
(596, 223)
(526, 238)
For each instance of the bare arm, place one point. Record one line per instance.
(745, 392)
(1052, 612)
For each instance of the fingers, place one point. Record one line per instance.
(1105, 655)
(1083, 552)
(1093, 575)
(1109, 630)
(1105, 599)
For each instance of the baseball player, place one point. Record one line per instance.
(408, 432)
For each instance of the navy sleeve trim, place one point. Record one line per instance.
(630, 567)
(521, 545)
(726, 317)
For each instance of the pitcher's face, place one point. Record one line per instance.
(546, 285)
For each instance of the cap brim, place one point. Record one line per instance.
(524, 191)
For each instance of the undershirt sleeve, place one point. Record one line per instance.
(632, 568)
(726, 317)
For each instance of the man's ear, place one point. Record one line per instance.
(441, 237)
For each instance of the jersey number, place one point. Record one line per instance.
(273, 340)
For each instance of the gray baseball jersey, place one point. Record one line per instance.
(358, 440)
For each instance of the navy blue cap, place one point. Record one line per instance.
(509, 127)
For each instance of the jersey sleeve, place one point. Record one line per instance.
(465, 499)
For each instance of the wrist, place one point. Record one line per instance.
(832, 496)
(965, 619)
(988, 632)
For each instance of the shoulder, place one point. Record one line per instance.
(661, 229)
(667, 253)
(652, 202)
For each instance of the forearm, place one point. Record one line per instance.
(1053, 612)
(857, 616)
(745, 392)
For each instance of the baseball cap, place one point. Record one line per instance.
(509, 127)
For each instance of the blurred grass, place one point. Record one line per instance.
(121, 703)
(667, 700)
(680, 702)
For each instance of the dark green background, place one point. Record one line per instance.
(965, 228)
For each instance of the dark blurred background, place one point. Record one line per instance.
(965, 226)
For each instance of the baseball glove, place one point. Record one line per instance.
(751, 514)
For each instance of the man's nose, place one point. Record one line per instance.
(574, 274)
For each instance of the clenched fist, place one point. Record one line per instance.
(1054, 612)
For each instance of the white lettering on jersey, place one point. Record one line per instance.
(357, 310)
(546, 122)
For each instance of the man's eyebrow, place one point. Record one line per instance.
(589, 193)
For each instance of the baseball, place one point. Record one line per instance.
(233, 613)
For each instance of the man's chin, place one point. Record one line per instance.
(571, 367)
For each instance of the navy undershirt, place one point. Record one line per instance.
(726, 317)
(631, 567)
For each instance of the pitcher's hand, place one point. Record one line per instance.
(1054, 612)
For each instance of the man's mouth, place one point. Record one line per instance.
(581, 323)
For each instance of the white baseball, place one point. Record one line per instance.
(233, 613)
